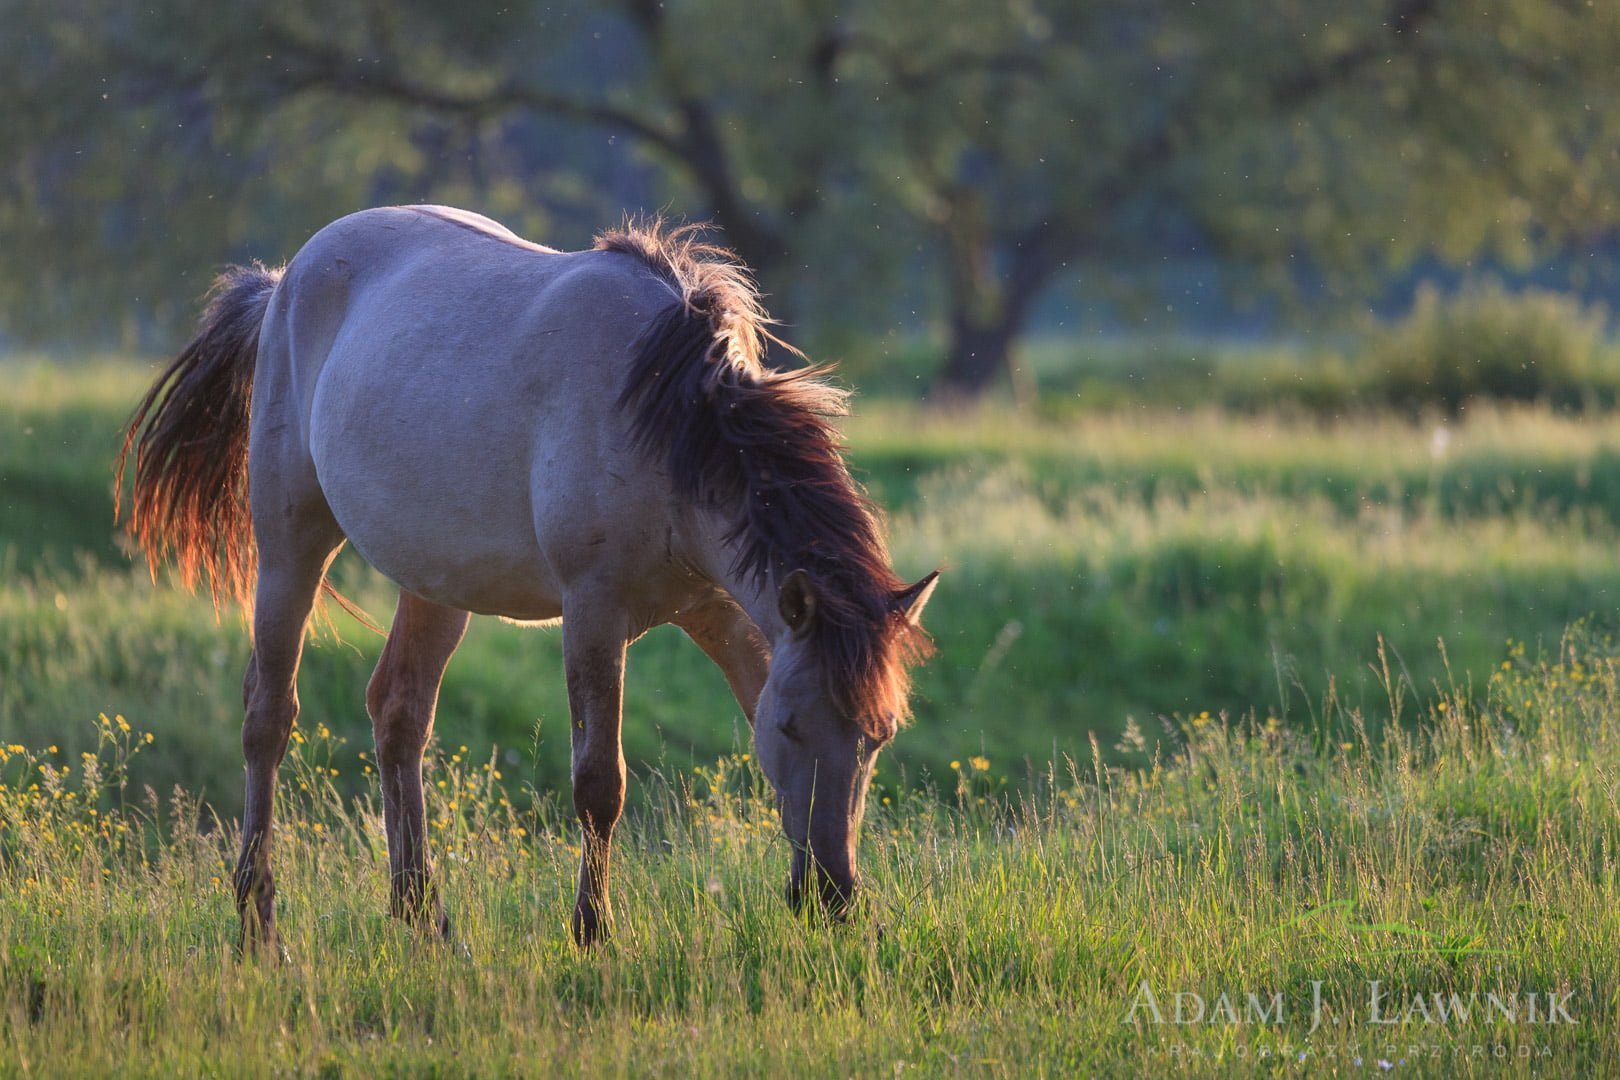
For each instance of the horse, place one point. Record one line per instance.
(501, 428)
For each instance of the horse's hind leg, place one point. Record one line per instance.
(401, 699)
(290, 573)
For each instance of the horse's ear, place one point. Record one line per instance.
(909, 602)
(796, 600)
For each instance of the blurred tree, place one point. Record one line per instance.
(1294, 139)
(157, 141)
(1001, 147)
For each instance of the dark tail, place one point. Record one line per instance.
(190, 438)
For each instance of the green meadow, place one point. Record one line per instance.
(1437, 900)
(1101, 569)
(1231, 698)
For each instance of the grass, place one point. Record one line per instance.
(1140, 565)
(1468, 854)
(1224, 704)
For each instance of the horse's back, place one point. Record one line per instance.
(455, 387)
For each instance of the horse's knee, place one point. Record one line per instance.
(598, 794)
(267, 724)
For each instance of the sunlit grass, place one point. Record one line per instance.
(1098, 568)
(1192, 722)
(1004, 933)
(1378, 453)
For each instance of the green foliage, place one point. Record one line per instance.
(1468, 853)
(892, 166)
(58, 425)
(1480, 345)
(1487, 342)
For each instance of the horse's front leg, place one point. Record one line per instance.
(729, 637)
(593, 653)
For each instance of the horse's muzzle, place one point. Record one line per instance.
(834, 886)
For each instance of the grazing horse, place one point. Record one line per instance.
(506, 429)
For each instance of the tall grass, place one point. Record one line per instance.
(1470, 854)
(1260, 706)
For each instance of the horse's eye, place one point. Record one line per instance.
(790, 729)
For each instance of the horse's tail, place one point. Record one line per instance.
(190, 439)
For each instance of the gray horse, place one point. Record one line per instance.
(506, 429)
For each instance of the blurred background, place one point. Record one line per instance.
(1250, 357)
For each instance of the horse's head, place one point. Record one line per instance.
(816, 754)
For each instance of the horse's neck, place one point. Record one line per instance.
(759, 600)
(756, 595)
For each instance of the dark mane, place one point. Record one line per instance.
(760, 445)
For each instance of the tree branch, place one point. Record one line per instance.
(328, 69)
(1157, 149)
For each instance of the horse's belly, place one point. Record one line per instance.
(483, 583)
(440, 508)
(461, 560)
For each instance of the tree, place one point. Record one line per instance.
(999, 149)
(217, 117)
(1034, 141)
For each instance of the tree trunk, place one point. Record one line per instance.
(976, 355)
(989, 305)
(985, 323)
